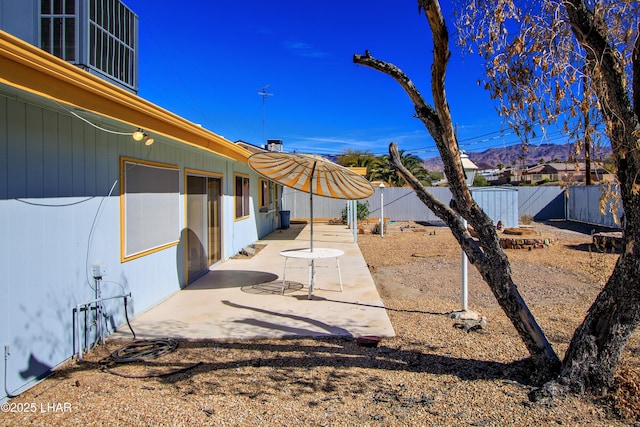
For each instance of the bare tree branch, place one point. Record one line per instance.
(441, 57)
(424, 112)
(577, 61)
(430, 117)
(442, 211)
(616, 104)
(485, 253)
(636, 75)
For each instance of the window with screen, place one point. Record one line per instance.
(58, 28)
(150, 204)
(242, 196)
(264, 195)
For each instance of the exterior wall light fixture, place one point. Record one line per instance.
(141, 135)
(138, 135)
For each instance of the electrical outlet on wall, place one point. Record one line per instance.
(99, 270)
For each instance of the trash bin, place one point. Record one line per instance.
(285, 218)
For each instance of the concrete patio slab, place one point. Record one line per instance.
(242, 299)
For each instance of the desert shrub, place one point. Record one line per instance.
(526, 219)
(376, 228)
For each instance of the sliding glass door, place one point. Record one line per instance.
(204, 225)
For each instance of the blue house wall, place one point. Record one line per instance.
(60, 214)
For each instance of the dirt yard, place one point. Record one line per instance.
(432, 373)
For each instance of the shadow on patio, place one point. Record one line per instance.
(242, 298)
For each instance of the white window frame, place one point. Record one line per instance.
(242, 209)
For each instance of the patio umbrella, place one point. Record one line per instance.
(311, 174)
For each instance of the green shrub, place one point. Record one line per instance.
(363, 212)
(480, 181)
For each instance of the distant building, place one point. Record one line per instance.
(274, 145)
(100, 36)
(563, 173)
(491, 175)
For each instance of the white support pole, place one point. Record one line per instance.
(354, 228)
(464, 274)
(311, 216)
(381, 210)
(354, 219)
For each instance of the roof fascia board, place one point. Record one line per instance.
(36, 71)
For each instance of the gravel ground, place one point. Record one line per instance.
(430, 374)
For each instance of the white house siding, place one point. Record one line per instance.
(60, 215)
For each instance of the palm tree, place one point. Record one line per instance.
(416, 166)
(351, 158)
(380, 169)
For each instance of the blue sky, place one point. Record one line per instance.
(207, 60)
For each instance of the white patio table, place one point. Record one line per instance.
(311, 257)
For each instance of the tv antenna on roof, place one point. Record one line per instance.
(264, 94)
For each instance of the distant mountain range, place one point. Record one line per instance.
(491, 158)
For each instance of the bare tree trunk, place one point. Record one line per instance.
(485, 253)
(595, 350)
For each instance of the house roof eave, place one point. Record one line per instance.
(31, 69)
